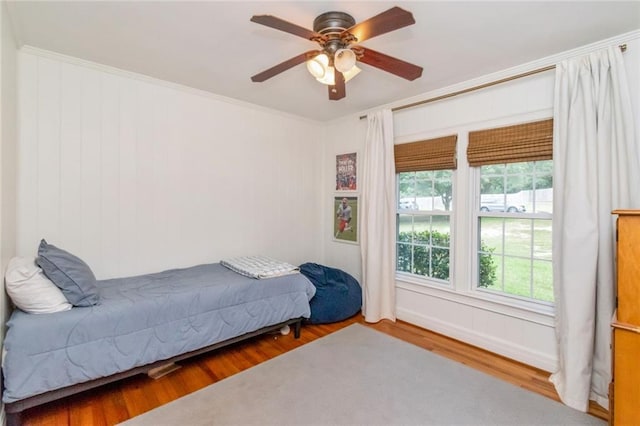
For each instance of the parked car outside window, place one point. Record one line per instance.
(501, 207)
(407, 204)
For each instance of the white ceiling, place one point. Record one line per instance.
(213, 46)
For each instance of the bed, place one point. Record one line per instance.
(140, 323)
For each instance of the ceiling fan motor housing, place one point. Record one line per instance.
(331, 25)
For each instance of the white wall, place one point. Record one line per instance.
(136, 175)
(342, 137)
(517, 333)
(8, 142)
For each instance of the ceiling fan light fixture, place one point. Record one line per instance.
(318, 65)
(345, 60)
(329, 77)
(351, 73)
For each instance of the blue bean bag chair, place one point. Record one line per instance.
(338, 294)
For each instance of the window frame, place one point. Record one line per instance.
(409, 276)
(525, 302)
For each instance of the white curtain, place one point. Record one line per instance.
(596, 170)
(377, 220)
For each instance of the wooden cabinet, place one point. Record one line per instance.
(624, 397)
(628, 265)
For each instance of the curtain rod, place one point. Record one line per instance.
(623, 48)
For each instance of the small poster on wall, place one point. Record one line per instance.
(345, 223)
(346, 172)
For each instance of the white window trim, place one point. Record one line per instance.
(493, 304)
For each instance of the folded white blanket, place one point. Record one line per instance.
(259, 266)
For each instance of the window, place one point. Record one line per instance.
(425, 203)
(504, 232)
(514, 210)
(514, 230)
(423, 223)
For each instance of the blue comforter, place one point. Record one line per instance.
(141, 320)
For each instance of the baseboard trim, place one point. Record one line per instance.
(484, 341)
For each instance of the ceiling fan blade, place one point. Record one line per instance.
(283, 66)
(287, 27)
(338, 90)
(385, 22)
(390, 64)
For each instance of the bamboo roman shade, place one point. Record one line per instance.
(430, 154)
(512, 144)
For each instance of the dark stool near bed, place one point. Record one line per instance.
(338, 294)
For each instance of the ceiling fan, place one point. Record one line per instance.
(337, 34)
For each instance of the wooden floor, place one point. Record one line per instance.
(120, 401)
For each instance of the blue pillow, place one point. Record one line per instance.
(69, 273)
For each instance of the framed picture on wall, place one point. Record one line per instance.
(345, 219)
(347, 172)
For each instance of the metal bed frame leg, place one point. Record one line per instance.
(296, 328)
(14, 419)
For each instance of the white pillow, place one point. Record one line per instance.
(30, 290)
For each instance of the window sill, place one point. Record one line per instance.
(528, 311)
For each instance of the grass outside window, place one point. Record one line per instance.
(522, 250)
(519, 248)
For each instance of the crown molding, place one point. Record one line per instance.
(36, 51)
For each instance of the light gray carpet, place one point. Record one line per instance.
(358, 376)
